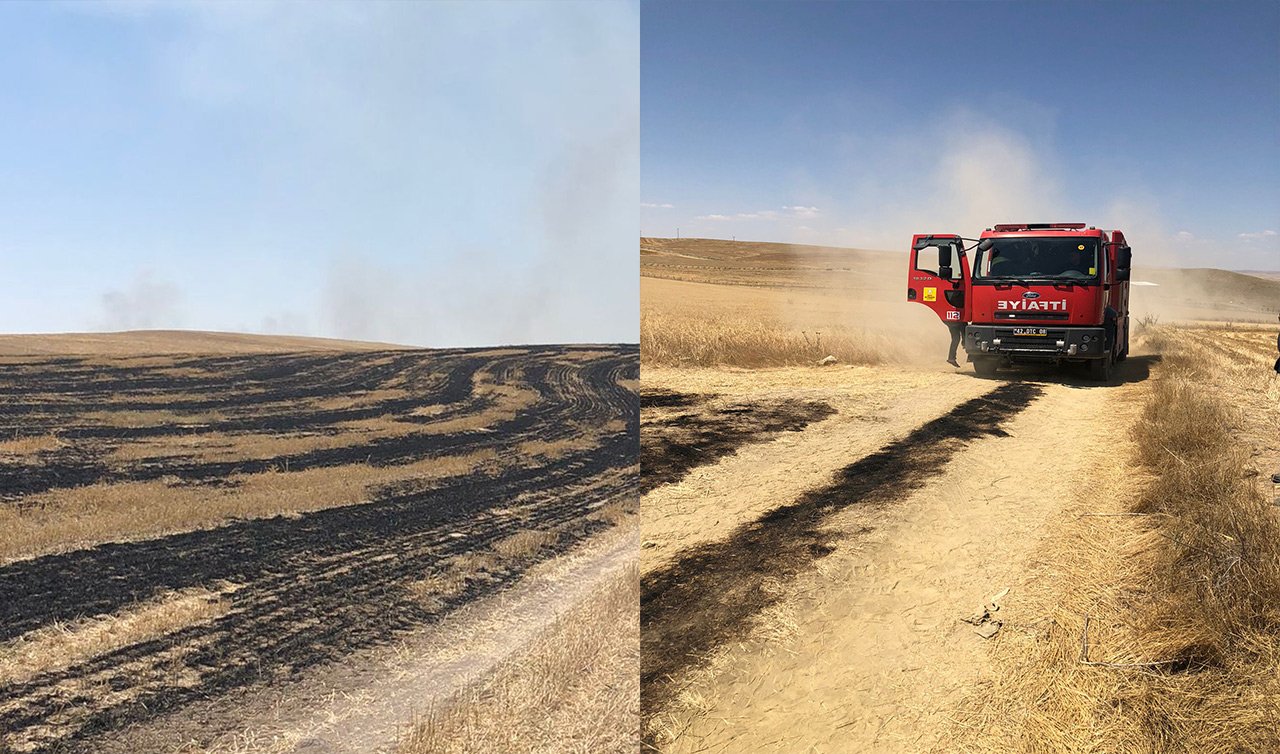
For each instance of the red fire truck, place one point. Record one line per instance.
(1029, 293)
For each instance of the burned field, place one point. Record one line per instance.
(178, 527)
(683, 431)
(709, 595)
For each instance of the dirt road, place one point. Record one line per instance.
(807, 593)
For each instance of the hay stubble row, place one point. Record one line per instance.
(337, 490)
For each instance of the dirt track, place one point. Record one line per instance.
(310, 587)
(825, 616)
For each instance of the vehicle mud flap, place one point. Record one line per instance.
(985, 366)
(1101, 369)
(1109, 332)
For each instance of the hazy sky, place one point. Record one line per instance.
(427, 173)
(858, 123)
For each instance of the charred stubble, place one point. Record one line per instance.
(661, 398)
(672, 446)
(314, 587)
(711, 594)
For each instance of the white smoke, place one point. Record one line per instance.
(146, 303)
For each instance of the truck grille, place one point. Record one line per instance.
(1048, 342)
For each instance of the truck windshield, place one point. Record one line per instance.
(1070, 259)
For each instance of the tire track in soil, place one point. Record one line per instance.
(672, 446)
(321, 585)
(710, 595)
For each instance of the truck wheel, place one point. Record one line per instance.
(1100, 369)
(985, 366)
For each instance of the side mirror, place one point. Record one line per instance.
(1124, 258)
(985, 244)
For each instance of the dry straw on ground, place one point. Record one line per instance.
(1162, 632)
(575, 690)
(64, 644)
(59, 520)
(29, 446)
(524, 543)
(689, 341)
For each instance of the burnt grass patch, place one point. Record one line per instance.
(260, 394)
(711, 594)
(661, 398)
(673, 445)
(312, 588)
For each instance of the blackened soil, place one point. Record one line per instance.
(315, 587)
(673, 444)
(661, 398)
(709, 596)
(262, 394)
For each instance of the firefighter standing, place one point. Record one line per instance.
(957, 331)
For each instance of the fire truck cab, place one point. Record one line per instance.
(1029, 293)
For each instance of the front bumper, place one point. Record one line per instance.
(1023, 343)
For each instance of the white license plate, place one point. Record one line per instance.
(1030, 331)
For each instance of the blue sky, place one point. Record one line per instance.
(859, 123)
(427, 173)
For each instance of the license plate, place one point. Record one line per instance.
(1030, 331)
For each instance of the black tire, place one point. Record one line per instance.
(985, 366)
(1100, 369)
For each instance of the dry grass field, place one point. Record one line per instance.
(891, 555)
(1159, 607)
(200, 518)
(576, 688)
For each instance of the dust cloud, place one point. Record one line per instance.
(983, 174)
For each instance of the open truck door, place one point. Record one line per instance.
(939, 275)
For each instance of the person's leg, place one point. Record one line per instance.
(956, 332)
